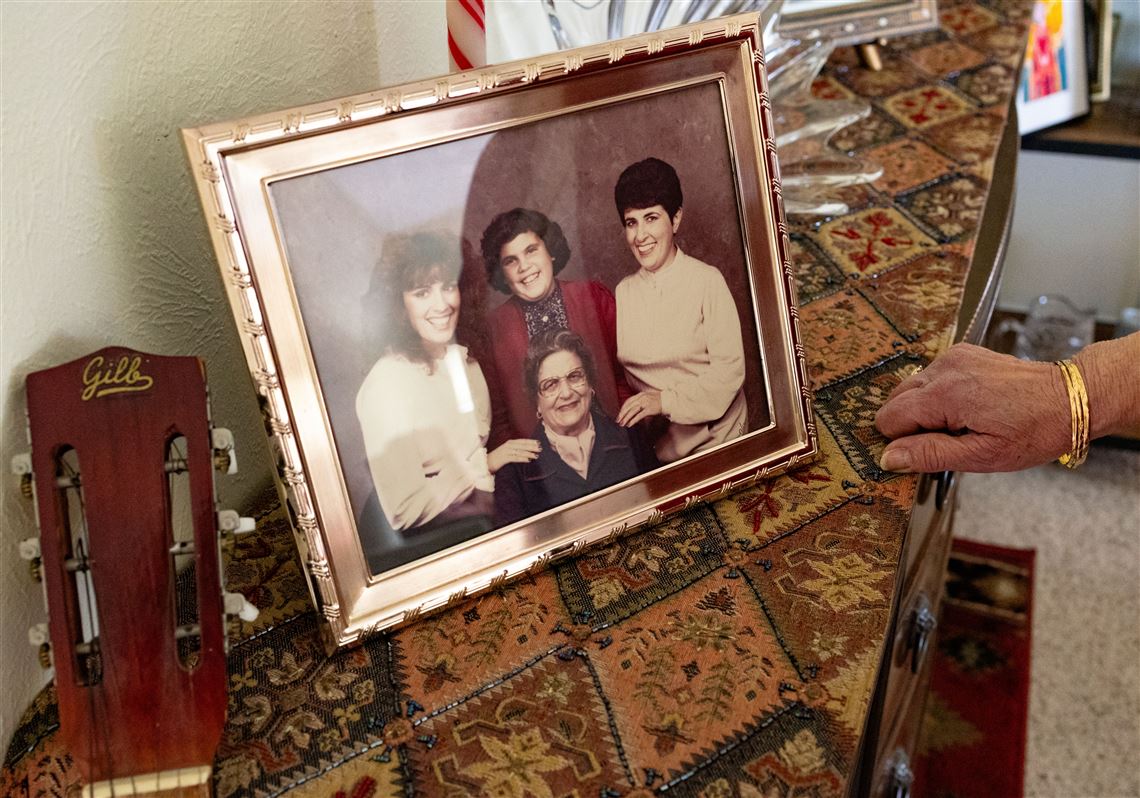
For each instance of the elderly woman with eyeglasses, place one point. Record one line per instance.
(582, 449)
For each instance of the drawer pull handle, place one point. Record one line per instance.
(901, 778)
(944, 482)
(921, 632)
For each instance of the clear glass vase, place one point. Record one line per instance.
(810, 168)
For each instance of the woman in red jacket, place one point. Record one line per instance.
(523, 250)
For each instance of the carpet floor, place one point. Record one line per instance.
(1084, 705)
(973, 734)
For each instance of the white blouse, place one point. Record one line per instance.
(425, 434)
(678, 332)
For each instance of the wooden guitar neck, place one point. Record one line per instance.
(131, 567)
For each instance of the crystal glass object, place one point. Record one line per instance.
(809, 167)
(1054, 329)
(576, 23)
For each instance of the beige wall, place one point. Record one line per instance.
(103, 238)
(1076, 226)
(1076, 232)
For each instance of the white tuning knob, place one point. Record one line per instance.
(22, 467)
(30, 549)
(223, 443)
(38, 634)
(239, 605)
(230, 521)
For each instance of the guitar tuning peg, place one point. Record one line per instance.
(225, 455)
(230, 521)
(239, 605)
(30, 551)
(22, 467)
(38, 634)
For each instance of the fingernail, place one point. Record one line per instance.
(897, 460)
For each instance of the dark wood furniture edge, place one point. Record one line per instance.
(983, 281)
(979, 297)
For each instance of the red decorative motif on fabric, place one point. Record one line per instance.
(967, 19)
(827, 88)
(766, 505)
(868, 257)
(926, 100)
(759, 506)
(777, 778)
(365, 788)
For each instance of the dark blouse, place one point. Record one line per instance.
(524, 489)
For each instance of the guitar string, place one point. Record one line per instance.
(96, 665)
(181, 465)
(93, 659)
(181, 458)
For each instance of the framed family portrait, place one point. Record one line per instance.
(498, 316)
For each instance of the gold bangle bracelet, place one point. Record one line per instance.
(1079, 411)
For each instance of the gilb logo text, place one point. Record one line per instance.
(102, 378)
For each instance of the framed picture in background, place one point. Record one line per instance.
(1054, 86)
(498, 316)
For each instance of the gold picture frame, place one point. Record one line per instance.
(300, 202)
(856, 21)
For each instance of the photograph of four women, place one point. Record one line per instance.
(570, 389)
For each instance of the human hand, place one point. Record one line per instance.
(518, 450)
(638, 407)
(976, 410)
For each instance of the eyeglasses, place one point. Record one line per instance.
(576, 379)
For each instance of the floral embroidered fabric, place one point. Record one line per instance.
(548, 313)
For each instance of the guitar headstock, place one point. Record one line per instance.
(122, 472)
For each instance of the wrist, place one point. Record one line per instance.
(1054, 427)
(1111, 371)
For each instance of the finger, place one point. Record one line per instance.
(916, 380)
(628, 409)
(938, 451)
(527, 445)
(912, 411)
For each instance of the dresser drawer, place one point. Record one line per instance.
(915, 630)
(909, 677)
(894, 773)
(932, 500)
